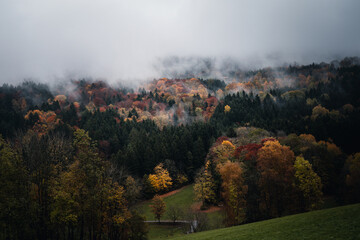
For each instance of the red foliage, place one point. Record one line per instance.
(126, 104)
(132, 96)
(180, 112)
(99, 102)
(51, 119)
(250, 149)
(139, 104)
(267, 139)
(212, 101)
(161, 106)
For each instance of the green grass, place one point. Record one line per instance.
(183, 199)
(216, 219)
(157, 231)
(334, 223)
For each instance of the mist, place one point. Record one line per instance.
(131, 41)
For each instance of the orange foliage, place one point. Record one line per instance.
(276, 166)
(233, 192)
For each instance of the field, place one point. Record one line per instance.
(334, 223)
(184, 198)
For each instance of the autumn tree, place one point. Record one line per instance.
(85, 198)
(204, 186)
(248, 152)
(353, 177)
(227, 109)
(132, 189)
(161, 180)
(223, 152)
(308, 184)
(43, 157)
(158, 207)
(276, 166)
(233, 192)
(14, 199)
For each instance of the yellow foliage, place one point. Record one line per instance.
(161, 180)
(227, 109)
(204, 186)
(319, 111)
(308, 183)
(233, 191)
(223, 152)
(60, 98)
(308, 137)
(220, 94)
(227, 144)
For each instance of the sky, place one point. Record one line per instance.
(126, 41)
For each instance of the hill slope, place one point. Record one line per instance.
(335, 223)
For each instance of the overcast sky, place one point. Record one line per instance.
(119, 40)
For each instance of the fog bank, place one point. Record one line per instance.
(130, 41)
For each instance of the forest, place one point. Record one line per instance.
(76, 158)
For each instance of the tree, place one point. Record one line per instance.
(233, 192)
(198, 221)
(276, 166)
(353, 177)
(14, 199)
(133, 190)
(44, 157)
(222, 152)
(227, 109)
(204, 186)
(158, 207)
(137, 226)
(85, 198)
(308, 184)
(161, 180)
(174, 212)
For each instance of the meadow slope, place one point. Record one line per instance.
(334, 223)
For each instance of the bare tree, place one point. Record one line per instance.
(174, 213)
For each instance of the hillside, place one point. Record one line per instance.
(335, 223)
(183, 198)
(80, 154)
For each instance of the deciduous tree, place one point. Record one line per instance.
(161, 180)
(204, 187)
(233, 192)
(353, 176)
(276, 166)
(308, 183)
(158, 207)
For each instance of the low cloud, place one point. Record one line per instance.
(131, 41)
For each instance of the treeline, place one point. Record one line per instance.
(139, 146)
(257, 177)
(57, 187)
(327, 110)
(56, 184)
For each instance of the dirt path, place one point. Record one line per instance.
(172, 192)
(196, 206)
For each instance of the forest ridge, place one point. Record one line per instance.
(76, 158)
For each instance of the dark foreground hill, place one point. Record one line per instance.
(335, 223)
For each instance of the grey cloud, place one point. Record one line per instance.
(124, 40)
